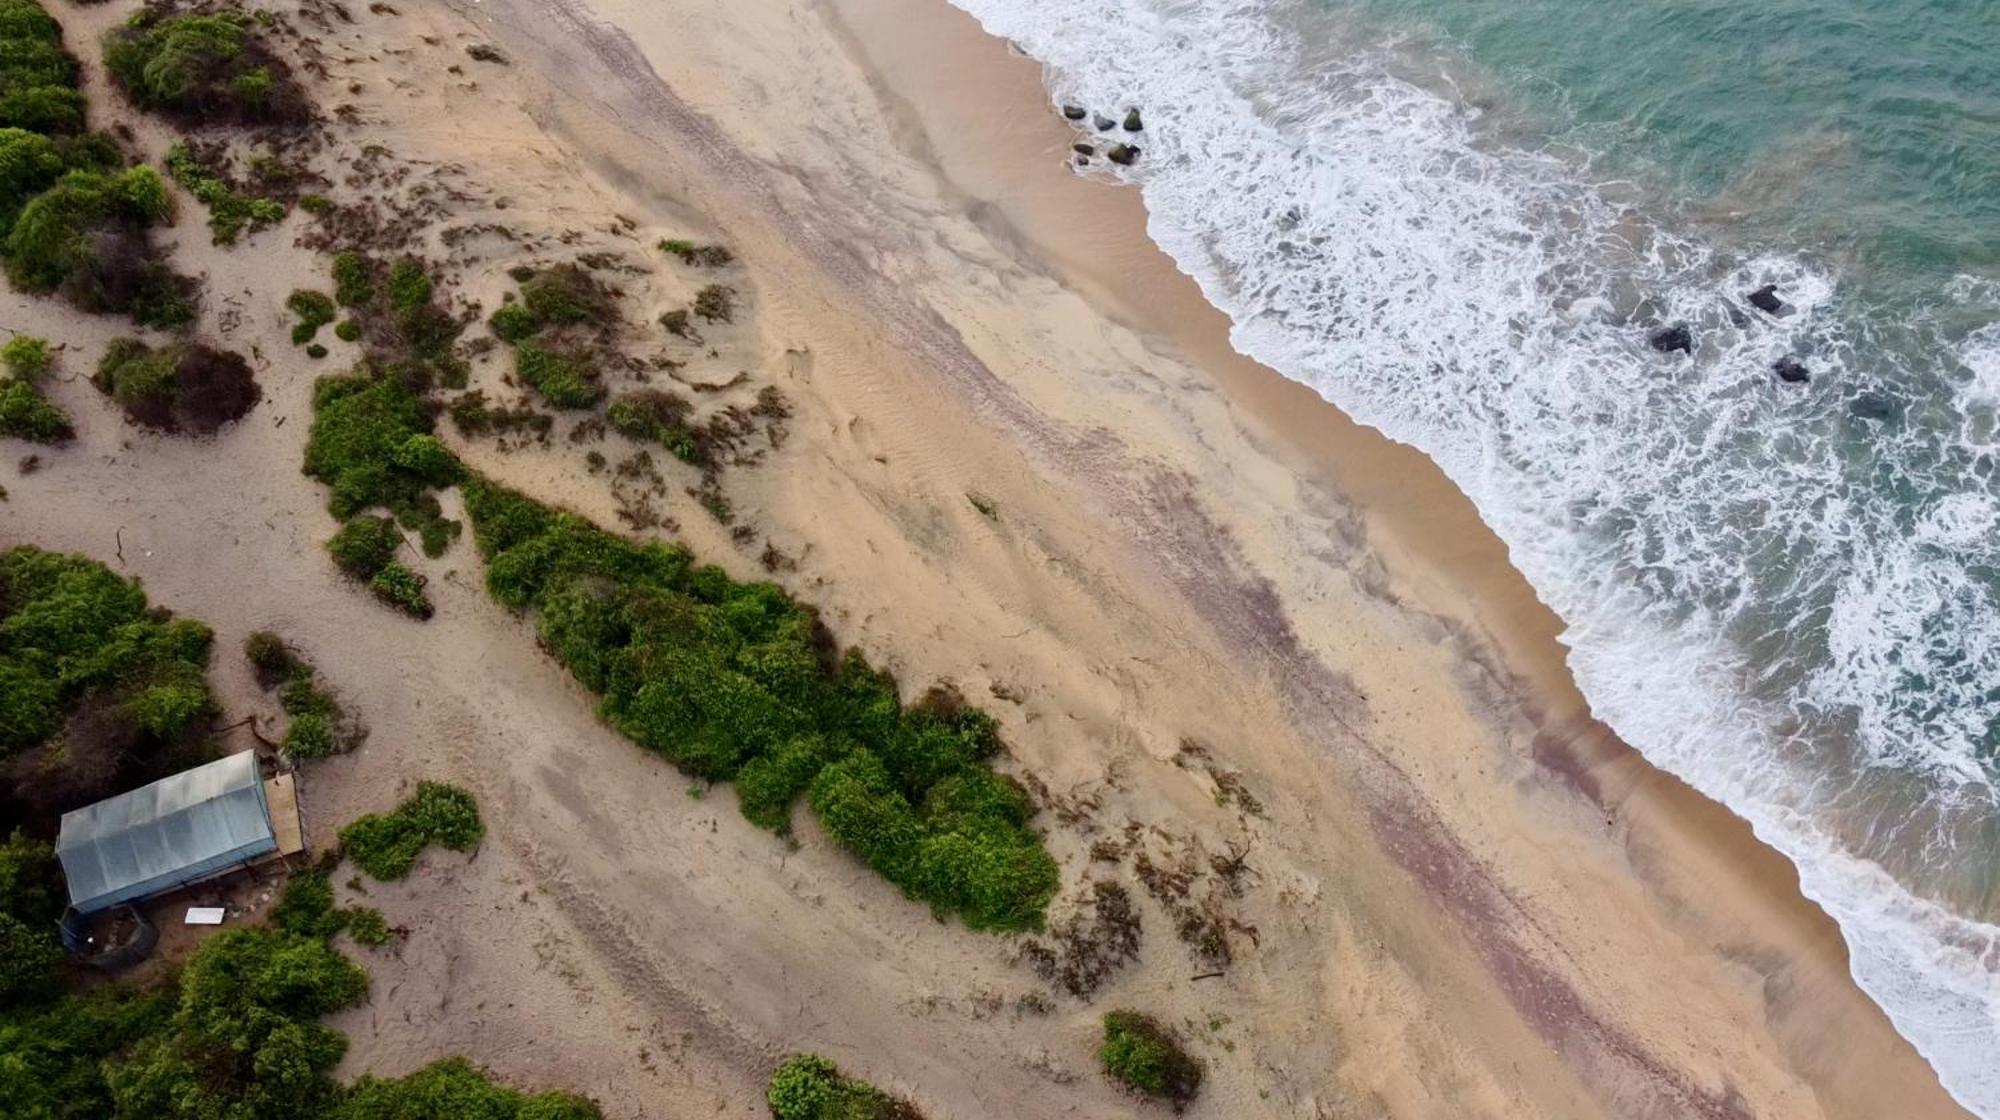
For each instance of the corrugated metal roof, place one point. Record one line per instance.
(177, 830)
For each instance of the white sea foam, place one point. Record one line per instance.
(1744, 604)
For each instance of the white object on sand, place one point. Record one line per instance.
(204, 915)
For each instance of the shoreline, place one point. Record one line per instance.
(1441, 552)
(1263, 669)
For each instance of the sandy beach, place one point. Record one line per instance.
(1214, 617)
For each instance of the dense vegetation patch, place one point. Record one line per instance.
(405, 334)
(236, 1036)
(658, 416)
(736, 682)
(24, 412)
(560, 327)
(203, 68)
(318, 725)
(181, 387)
(37, 75)
(102, 693)
(371, 442)
(809, 1087)
(1144, 1056)
(386, 845)
(230, 210)
(706, 256)
(71, 221)
(85, 238)
(314, 309)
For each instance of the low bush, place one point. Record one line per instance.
(809, 1087)
(182, 387)
(353, 279)
(472, 415)
(386, 845)
(273, 661)
(203, 68)
(716, 303)
(24, 412)
(453, 1090)
(318, 727)
(735, 681)
(1144, 1056)
(372, 443)
(366, 926)
(347, 330)
(114, 692)
(402, 589)
(230, 210)
(658, 416)
(708, 256)
(365, 545)
(85, 238)
(566, 295)
(562, 378)
(314, 309)
(405, 334)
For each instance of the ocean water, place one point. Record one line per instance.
(1460, 220)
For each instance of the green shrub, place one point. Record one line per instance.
(273, 660)
(85, 236)
(182, 387)
(38, 76)
(27, 358)
(353, 279)
(202, 69)
(566, 295)
(453, 1090)
(29, 164)
(244, 1040)
(371, 441)
(560, 377)
(513, 322)
(409, 288)
(347, 330)
(315, 351)
(730, 681)
(386, 846)
(53, 1056)
(26, 414)
(79, 643)
(310, 736)
(314, 309)
(658, 416)
(809, 1087)
(709, 256)
(364, 546)
(366, 926)
(31, 882)
(230, 211)
(29, 958)
(1143, 1056)
(402, 589)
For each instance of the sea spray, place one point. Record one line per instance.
(1784, 593)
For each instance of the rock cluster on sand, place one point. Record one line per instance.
(1124, 155)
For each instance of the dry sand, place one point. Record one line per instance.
(1465, 898)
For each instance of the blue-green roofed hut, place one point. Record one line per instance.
(181, 829)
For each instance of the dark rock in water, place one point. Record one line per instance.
(1737, 318)
(1075, 112)
(1083, 149)
(1669, 339)
(1083, 161)
(1132, 121)
(1122, 154)
(1791, 369)
(1766, 299)
(1102, 122)
(1872, 406)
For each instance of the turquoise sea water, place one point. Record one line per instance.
(1462, 221)
(1867, 130)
